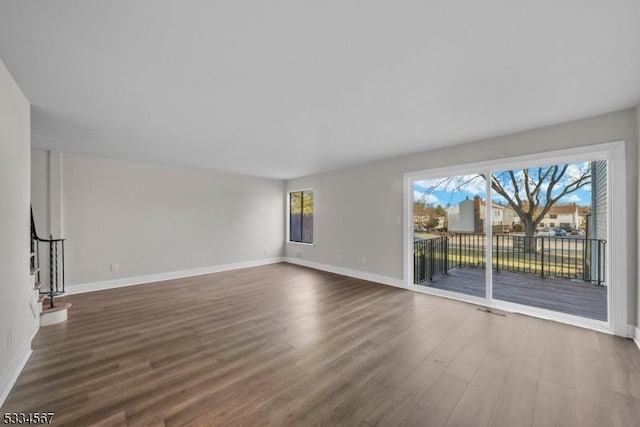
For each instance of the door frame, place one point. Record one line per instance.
(616, 254)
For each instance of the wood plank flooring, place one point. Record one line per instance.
(561, 295)
(284, 345)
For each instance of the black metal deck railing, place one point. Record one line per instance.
(430, 257)
(560, 257)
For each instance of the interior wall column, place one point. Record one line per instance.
(55, 193)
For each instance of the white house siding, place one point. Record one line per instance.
(461, 217)
(599, 199)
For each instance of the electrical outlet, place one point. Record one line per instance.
(9, 339)
(265, 251)
(298, 254)
(338, 257)
(364, 260)
(114, 268)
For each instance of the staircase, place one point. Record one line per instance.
(48, 303)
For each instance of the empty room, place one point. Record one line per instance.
(338, 213)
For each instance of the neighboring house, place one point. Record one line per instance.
(596, 222)
(510, 217)
(562, 216)
(469, 215)
(461, 218)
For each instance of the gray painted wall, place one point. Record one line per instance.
(17, 323)
(358, 210)
(152, 219)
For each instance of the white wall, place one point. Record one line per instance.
(638, 239)
(358, 210)
(150, 219)
(40, 190)
(40, 205)
(17, 324)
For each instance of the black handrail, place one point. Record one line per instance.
(56, 262)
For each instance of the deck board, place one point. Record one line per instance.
(561, 295)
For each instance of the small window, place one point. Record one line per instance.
(301, 216)
(553, 216)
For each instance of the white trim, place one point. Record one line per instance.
(16, 366)
(288, 216)
(449, 294)
(616, 253)
(159, 277)
(407, 230)
(614, 153)
(584, 153)
(636, 335)
(300, 243)
(488, 241)
(385, 280)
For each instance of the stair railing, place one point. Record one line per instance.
(56, 262)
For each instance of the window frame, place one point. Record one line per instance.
(616, 254)
(313, 227)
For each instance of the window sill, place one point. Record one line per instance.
(300, 243)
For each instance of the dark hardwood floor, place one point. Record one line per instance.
(285, 345)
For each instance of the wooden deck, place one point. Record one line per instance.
(562, 295)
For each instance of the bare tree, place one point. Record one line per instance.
(531, 192)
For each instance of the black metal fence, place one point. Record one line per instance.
(430, 257)
(561, 257)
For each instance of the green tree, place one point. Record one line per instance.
(301, 202)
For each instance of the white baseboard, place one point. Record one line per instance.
(160, 277)
(636, 336)
(10, 376)
(385, 280)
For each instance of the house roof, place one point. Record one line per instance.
(563, 209)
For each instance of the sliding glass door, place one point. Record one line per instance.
(449, 237)
(532, 237)
(549, 227)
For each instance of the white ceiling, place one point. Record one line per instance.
(290, 87)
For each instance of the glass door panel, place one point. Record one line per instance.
(449, 240)
(549, 237)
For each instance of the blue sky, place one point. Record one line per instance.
(449, 192)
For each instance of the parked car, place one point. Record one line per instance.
(546, 232)
(560, 232)
(578, 233)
